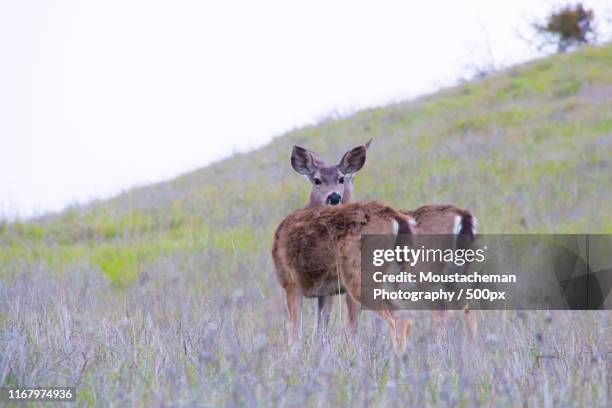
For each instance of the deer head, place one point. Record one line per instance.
(331, 184)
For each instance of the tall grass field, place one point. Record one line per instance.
(166, 294)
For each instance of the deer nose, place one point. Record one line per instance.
(334, 199)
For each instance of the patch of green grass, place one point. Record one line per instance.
(120, 264)
(567, 87)
(603, 127)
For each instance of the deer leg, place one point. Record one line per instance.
(294, 302)
(440, 319)
(387, 316)
(472, 322)
(354, 309)
(351, 279)
(403, 331)
(399, 328)
(323, 312)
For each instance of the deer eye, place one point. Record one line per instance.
(317, 181)
(341, 180)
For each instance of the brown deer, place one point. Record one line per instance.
(447, 220)
(317, 253)
(333, 185)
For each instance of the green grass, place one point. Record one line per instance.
(167, 292)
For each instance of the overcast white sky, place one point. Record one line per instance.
(98, 96)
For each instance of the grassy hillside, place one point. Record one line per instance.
(170, 286)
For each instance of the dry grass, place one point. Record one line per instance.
(162, 343)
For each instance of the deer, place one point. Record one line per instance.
(317, 254)
(333, 185)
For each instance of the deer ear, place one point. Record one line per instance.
(304, 161)
(354, 159)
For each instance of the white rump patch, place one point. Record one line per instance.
(395, 227)
(457, 226)
(474, 225)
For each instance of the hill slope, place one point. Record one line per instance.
(167, 293)
(528, 150)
